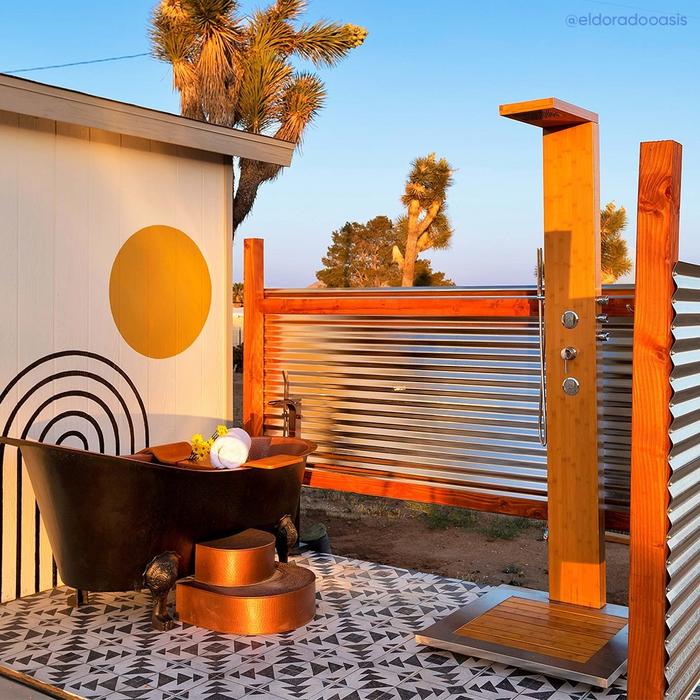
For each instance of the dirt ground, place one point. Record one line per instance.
(483, 548)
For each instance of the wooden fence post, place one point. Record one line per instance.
(253, 334)
(657, 252)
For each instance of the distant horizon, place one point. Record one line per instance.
(425, 84)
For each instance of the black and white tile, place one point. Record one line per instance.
(360, 646)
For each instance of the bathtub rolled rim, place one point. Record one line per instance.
(291, 459)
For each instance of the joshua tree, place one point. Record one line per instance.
(614, 260)
(239, 71)
(425, 224)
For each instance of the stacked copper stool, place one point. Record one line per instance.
(239, 588)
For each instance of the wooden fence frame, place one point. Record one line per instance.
(260, 301)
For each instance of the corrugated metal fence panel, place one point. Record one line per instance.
(683, 562)
(440, 401)
(615, 410)
(452, 401)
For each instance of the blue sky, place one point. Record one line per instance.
(430, 77)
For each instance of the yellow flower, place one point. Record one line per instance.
(201, 447)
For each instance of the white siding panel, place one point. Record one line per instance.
(105, 169)
(161, 172)
(188, 364)
(216, 241)
(9, 318)
(37, 200)
(139, 206)
(70, 286)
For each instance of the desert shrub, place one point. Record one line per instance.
(505, 527)
(439, 517)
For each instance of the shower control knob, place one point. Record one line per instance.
(568, 353)
(570, 386)
(569, 319)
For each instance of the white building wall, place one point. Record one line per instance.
(69, 199)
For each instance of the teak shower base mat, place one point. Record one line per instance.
(523, 628)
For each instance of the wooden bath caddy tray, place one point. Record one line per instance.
(238, 588)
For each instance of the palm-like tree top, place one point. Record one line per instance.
(236, 71)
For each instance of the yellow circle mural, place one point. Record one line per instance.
(160, 291)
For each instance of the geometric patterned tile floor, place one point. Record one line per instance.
(359, 646)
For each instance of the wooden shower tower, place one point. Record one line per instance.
(570, 631)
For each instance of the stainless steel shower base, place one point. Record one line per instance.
(523, 628)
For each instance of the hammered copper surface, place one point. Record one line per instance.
(239, 560)
(283, 603)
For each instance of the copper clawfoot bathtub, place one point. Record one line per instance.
(108, 518)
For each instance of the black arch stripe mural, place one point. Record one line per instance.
(78, 393)
(79, 373)
(100, 421)
(73, 433)
(64, 375)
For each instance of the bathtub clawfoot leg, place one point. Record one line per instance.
(286, 537)
(160, 577)
(78, 598)
(161, 619)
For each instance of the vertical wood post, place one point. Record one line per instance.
(253, 334)
(572, 283)
(658, 208)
